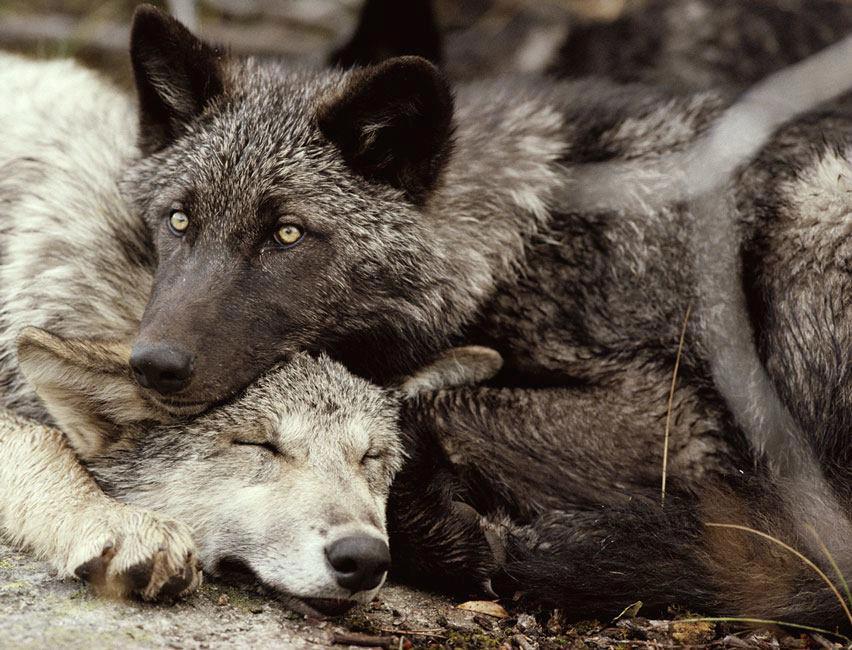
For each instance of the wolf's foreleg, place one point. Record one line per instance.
(50, 503)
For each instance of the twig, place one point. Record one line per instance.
(433, 633)
(761, 621)
(363, 640)
(671, 405)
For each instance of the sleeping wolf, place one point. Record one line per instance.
(287, 484)
(289, 480)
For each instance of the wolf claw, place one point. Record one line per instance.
(145, 556)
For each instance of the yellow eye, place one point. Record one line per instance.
(288, 234)
(178, 222)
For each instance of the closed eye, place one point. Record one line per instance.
(268, 446)
(372, 454)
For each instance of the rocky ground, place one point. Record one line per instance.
(39, 610)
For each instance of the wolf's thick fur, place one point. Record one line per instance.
(260, 481)
(584, 529)
(426, 224)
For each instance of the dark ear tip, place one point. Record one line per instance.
(150, 22)
(413, 65)
(412, 61)
(146, 13)
(420, 71)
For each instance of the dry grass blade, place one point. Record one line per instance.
(790, 549)
(671, 405)
(840, 577)
(763, 621)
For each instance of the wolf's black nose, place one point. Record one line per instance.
(359, 563)
(161, 367)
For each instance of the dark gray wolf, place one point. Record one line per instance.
(289, 480)
(387, 29)
(582, 527)
(371, 214)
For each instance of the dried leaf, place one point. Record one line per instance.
(484, 607)
(631, 611)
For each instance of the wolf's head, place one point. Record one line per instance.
(286, 208)
(287, 483)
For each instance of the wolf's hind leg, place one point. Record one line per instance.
(50, 503)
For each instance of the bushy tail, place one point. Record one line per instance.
(593, 564)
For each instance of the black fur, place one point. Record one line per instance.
(436, 539)
(691, 45)
(177, 76)
(389, 28)
(392, 124)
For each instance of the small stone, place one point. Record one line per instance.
(223, 600)
(484, 622)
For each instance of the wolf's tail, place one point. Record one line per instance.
(595, 563)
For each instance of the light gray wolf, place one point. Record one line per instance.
(286, 485)
(289, 480)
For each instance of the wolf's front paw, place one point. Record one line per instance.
(141, 554)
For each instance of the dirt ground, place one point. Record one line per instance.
(38, 610)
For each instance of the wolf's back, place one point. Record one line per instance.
(65, 136)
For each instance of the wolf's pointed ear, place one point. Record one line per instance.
(393, 123)
(463, 366)
(176, 74)
(86, 387)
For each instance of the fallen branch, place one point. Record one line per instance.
(364, 640)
